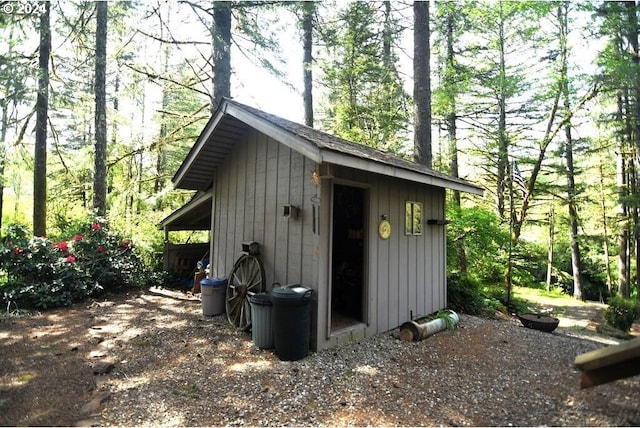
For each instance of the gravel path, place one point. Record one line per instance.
(174, 367)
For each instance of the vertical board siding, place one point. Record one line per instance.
(398, 257)
(295, 198)
(381, 264)
(268, 245)
(259, 230)
(373, 247)
(250, 190)
(410, 262)
(426, 259)
(310, 241)
(422, 258)
(255, 181)
(323, 263)
(398, 311)
(282, 237)
(240, 195)
(441, 250)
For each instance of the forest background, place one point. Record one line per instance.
(537, 102)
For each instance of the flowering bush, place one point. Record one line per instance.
(44, 274)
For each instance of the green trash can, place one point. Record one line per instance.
(291, 321)
(261, 320)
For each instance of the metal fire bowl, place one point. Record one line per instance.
(539, 321)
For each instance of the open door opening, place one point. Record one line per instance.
(348, 257)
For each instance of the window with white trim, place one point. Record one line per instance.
(413, 218)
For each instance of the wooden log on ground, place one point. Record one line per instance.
(609, 364)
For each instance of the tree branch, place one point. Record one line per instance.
(550, 134)
(172, 41)
(154, 76)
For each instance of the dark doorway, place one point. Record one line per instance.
(347, 260)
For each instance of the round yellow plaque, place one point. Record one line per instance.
(384, 229)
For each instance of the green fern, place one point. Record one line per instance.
(447, 316)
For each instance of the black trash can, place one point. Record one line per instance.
(291, 321)
(261, 320)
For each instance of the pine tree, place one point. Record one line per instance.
(422, 83)
(576, 262)
(366, 101)
(100, 173)
(454, 81)
(621, 62)
(308, 11)
(42, 104)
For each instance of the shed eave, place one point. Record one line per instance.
(179, 179)
(364, 164)
(185, 217)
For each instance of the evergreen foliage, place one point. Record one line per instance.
(464, 295)
(621, 313)
(366, 101)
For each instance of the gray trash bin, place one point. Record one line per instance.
(291, 321)
(261, 320)
(213, 296)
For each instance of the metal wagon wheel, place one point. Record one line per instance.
(245, 280)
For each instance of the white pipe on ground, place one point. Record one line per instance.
(413, 331)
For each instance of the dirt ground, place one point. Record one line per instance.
(48, 360)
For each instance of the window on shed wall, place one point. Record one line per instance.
(413, 218)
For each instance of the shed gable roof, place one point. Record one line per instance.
(233, 119)
(194, 215)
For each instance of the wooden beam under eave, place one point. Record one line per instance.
(611, 373)
(609, 363)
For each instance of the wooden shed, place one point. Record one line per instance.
(364, 229)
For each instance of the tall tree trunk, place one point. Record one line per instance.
(576, 261)
(624, 266)
(100, 174)
(422, 83)
(130, 189)
(550, 250)
(3, 156)
(387, 36)
(503, 142)
(139, 171)
(605, 231)
(42, 105)
(308, 11)
(137, 164)
(633, 180)
(4, 126)
(450, 120)
(116, 106)
(161, 153)
(623, 225)
(632, 14)
(221, 35)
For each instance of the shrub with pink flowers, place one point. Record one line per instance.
(42, 273)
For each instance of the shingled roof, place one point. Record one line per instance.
(233, 119)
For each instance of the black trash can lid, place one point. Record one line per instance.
(291, 294)
(262, 299)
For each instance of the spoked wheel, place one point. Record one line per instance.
(245, 280)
